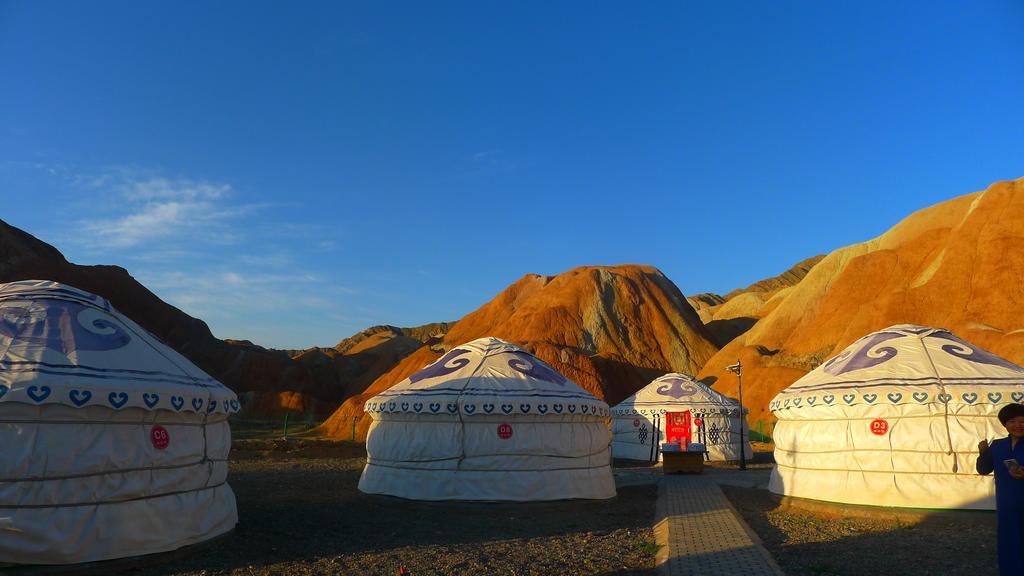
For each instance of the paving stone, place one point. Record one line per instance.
(701, 534)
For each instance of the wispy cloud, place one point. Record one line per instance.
(237, 292)
(485, 162)
(206, 248)
(485, 154)
(142, 209)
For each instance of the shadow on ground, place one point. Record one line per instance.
(822, 538)
(301, 513)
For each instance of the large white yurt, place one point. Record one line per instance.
(894, 420)
(488, 421)
(639, 422)
(111, 443)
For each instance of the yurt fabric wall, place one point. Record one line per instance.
(488, 421)
(894, 420)
(638, 426)
(111, 443)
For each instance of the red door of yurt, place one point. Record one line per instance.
(677, 427)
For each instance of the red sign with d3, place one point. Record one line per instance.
(159, 436)
(879, 427)
(504, 431)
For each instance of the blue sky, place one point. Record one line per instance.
(295, 172)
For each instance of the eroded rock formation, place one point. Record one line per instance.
(957, 265)
(610, 329)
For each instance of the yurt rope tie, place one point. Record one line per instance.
(945, 403)
(109, 472)
(10, 341)
(105, 502)
(462, 423)
(205, 417)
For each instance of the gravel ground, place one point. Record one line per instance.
(300, 513)
(818, 538)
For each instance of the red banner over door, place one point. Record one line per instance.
(677, 427)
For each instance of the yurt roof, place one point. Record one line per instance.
(675, 390)
(907, 364)
(487, 376)
(62, 345)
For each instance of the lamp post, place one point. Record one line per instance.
(737, 369)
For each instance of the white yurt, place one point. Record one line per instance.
(111, 443)
(488, 421)
(638, 422)
(894, 420)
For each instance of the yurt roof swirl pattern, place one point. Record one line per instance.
(934, 367)
(485, 377)
(676, 389)
(61, 345)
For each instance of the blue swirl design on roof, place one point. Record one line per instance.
(441, 367)
(965, 351)
(676, 387)
(535, 368)
(865, 356)
(57, 326)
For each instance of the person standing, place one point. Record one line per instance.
(1004, 457)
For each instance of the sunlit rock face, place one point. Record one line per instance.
(956, 265)
(609, 329)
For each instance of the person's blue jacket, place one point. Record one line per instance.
(1009, 504)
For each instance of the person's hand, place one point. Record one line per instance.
(983, 447)
(1016, 472)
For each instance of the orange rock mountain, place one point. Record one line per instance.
(726, 317)
(957, 265)
(610, 329)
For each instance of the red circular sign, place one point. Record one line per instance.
(161, 439)
(504, 431)
(879, 427)
(698, 422)
(636, 423)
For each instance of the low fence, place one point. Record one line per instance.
(273, 427)
(761, 431)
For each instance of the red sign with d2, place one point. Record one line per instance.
(879, 427)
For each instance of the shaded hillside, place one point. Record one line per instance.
(268, 381)
(726, 317)
(352, 365)
(240, 365)
(610, 329)
(705, 303)
(790, 277)
(956, 265)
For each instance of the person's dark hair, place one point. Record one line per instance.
(1010, 411)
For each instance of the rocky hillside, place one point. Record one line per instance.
(241, 365)
(726, 317)
(268, 381)
(956, 265)
(355, 362)
(610, 329)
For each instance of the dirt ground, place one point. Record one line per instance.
(809, 538)
(301, 514)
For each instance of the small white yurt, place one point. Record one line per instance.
(111, 443)
(639, 422)
(488, 421)
(894, 420)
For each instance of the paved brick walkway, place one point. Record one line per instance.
(701, 534)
